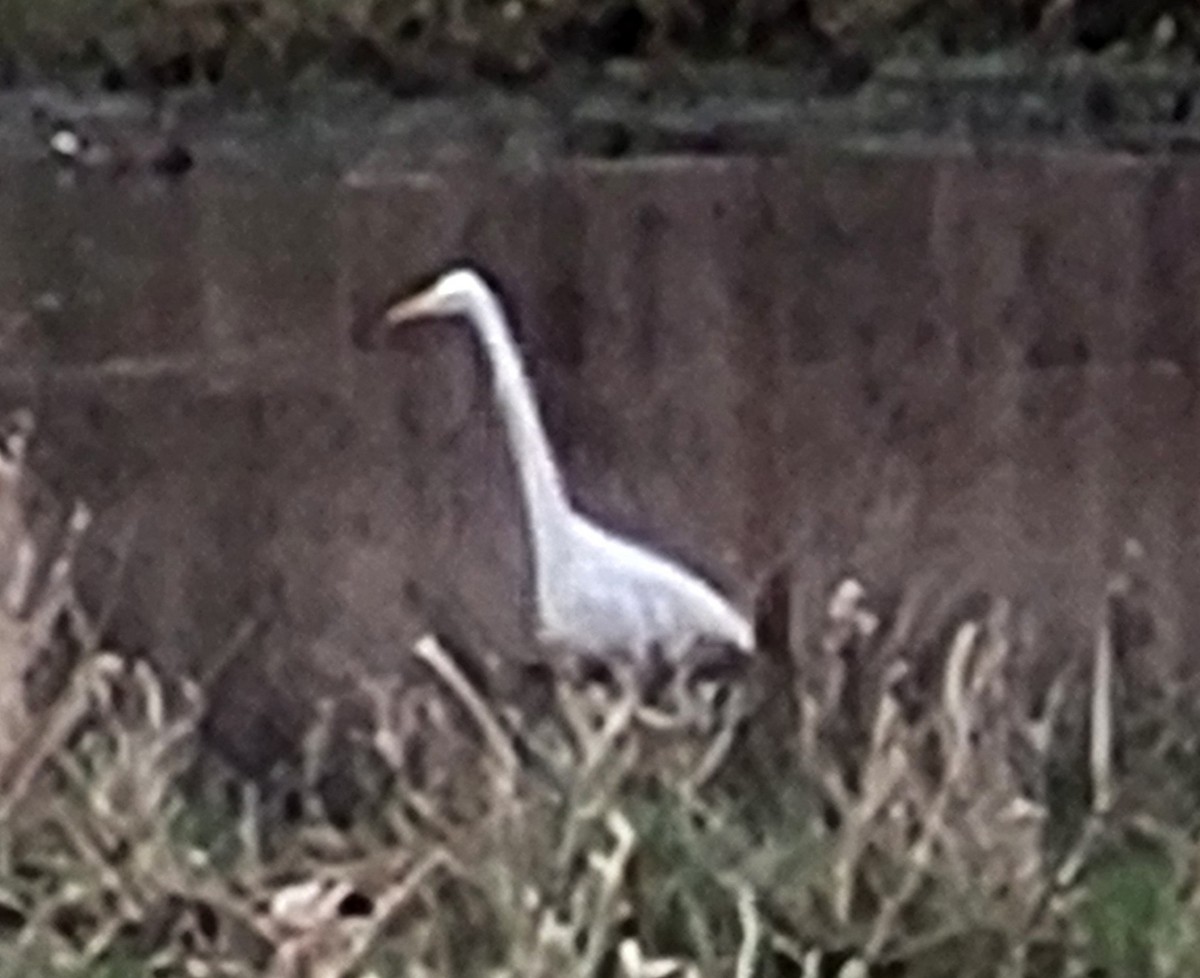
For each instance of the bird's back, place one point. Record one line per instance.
(615, 594)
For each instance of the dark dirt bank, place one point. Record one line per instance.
(177, 335)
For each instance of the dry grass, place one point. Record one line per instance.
(620, 850)
(876, 826)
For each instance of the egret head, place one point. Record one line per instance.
(460, 292)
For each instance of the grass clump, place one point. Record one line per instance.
(603, 846)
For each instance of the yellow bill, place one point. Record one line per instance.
(422, 305)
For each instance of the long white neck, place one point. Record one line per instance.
(546, 503)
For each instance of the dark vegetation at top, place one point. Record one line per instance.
(414, 46)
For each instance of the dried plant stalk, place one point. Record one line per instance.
(1101, 741)
(430, 651)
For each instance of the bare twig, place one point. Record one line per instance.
(751, 933)
(1101, 746)
(611, 870)
(430, 651)
(52, 731)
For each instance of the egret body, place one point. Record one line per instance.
(596, 594)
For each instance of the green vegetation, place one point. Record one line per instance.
(410, 44)
(954, 829)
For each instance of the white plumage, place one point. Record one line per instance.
(596, 594)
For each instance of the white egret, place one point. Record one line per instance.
(599, 596)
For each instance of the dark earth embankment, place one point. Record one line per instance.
(184, 337)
